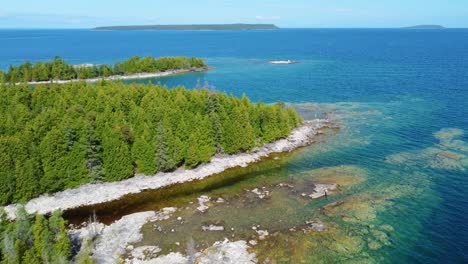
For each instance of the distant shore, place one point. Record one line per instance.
(92, 194)
(143, 75)
(425, 27)
(196, 27)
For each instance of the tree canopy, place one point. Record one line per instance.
(58, 69)
(54, 137)
(34, 239)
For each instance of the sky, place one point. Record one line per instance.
(284, 13)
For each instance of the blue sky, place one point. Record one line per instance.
(285, 13)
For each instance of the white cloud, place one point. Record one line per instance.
(268, 17)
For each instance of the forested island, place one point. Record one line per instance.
(59, 70)
(54, 137)
(238, 26)
(425, 27)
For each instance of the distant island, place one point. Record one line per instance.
(425, 27)
(238, 26)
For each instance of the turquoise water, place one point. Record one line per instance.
(391, 90)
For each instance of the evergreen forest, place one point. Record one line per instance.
(58, 69)
(36, 239)
(59, 136)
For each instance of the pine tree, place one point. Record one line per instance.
(42, 238)
(31, 257)
(54, 161)
(93, 154)
(163, 158)
(192, 154)
(238, 132)
(61, 249)
(26, 181)
(116, 156)
(143, 153)
(22, 232)
(9, 253)
(7, 170)
(84, 256)
(3, 228)
(200, 143)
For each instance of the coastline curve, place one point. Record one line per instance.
(93, 194)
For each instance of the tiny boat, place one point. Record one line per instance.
(282, 62)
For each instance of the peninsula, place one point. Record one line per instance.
(59, 71)
(68, 135)
(238, 26)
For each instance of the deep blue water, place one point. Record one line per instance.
(416, 79)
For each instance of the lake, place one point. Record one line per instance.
(401, 155)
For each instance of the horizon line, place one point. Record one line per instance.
(279, 28)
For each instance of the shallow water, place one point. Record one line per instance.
(367, 217)
(401, 98)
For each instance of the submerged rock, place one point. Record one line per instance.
(163, 214)
(315, 225)
(321, 190)
(202, 200)
(261, 193)
(145, 252)
(213, 228)
(287, 185)
(262, 234)
(449, 154)
(225, 252)
(172, 258)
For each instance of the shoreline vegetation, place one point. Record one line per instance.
(59, 71)
(136, 76)
(92, 194)
(35, 239)
(207, 27)
(65, 143)
(60, 136)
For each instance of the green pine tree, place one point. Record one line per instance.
(54, 161)
(163, 158)
(26, 181)
(61, 249)
(116, 156)
(143, 154)
(42, 239)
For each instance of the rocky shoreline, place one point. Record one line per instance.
(92, 194)
(112, 242)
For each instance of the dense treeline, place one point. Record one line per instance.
(54, 137)
(35, 239)
(58, 69)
